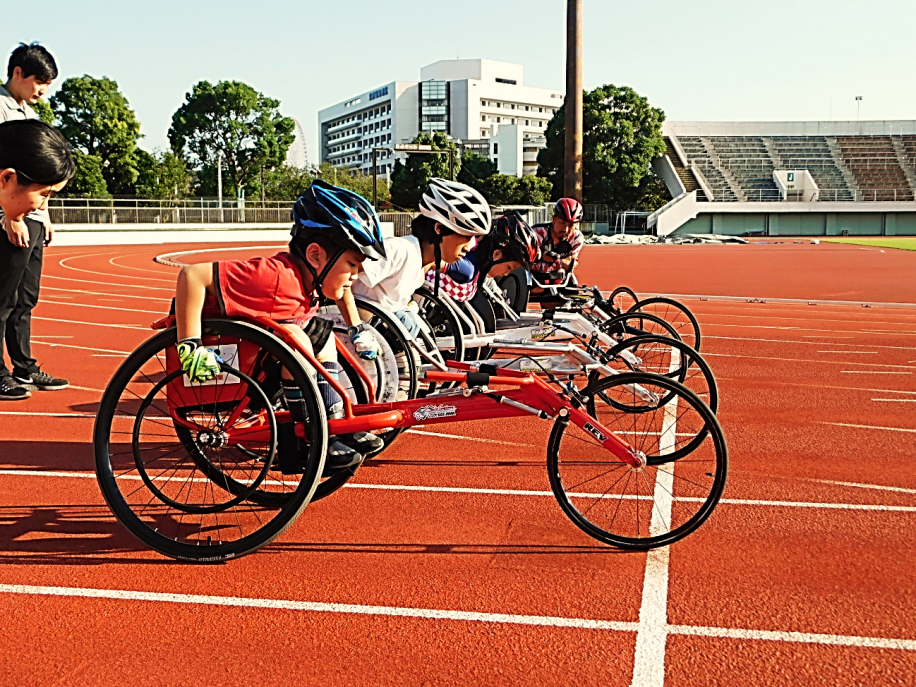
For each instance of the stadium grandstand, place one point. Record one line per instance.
(788, 178)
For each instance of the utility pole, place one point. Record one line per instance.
(572, 177)
(219, 183)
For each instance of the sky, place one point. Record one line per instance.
(704, 60)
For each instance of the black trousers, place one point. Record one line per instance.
(20, 276)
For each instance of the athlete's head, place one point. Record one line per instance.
(334, 230)
(30, 71)
(35, 163)
(567, 213)
(511, 244)
(452, 215)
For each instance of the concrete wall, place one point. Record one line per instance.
(803, 224)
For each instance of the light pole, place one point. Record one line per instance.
(572, 177)
(219, 182)
(858, 105)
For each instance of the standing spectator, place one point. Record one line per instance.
(30, 71)
(35, 163)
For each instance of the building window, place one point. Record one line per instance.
(499, 119)
(498, 105)
(540, 109)
(496, 148)
(527, 108)
(513, 120)
(483, 133)
(483, 118)
(512, 106)
(541, 125)
(511, 82)
(527, 122)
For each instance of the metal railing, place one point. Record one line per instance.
(831, 195)
(145, 211)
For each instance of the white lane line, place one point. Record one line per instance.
(86, 388)
(167, 258)
(798, 637)
(100, 293)
(652, 635)
(101, 307)
(462, 616)
(857, 485)
(82, 348)
(802, 360)
(884, 429)
(811, 329)
(843, 388)
(92, 324)
(872, 372)
(852, 352)
(894, 400)
(319, 607)
(111, 284)
(82, 415)
(139, 269)
(458, 436)
(63, 263)
(504, 492)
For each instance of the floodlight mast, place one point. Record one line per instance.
(572, 177)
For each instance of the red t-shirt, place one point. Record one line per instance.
(261, 287)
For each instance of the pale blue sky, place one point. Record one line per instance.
(697, 60)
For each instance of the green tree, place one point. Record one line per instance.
(475, 168)
(45, 113)
(88, 180)
(231, 118)
(500, 189)
(622, 135)
(162, 175)
(409, 180)
(533, 190)
(95, 117)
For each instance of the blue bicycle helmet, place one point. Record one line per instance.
(345, 215)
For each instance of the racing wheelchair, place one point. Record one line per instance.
(207, 472)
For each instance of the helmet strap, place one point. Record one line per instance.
(438, 254)
(318, 278)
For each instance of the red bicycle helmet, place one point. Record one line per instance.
(513, 234)
(568, 209)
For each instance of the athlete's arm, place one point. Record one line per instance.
(194, 281)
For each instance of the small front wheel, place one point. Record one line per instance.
(654, 505)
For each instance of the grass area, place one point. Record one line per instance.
(902, 243)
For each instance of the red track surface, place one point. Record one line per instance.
(815, 534)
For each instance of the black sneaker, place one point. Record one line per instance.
(11, 390)
(42, 381)
(363, 442)
(340, 457)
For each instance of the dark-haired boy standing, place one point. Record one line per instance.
(30, 71)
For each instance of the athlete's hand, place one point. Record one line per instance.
(49, 233)
(197, 361)
(367, 346)
(16, 232)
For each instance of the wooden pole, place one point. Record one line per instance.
(572, 178)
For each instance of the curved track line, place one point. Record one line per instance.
(99, 272)
(103, 293)
(108, 283)
(166, 258)
(136, 269)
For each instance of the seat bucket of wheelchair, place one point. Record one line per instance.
(225, 388)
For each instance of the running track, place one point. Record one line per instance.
(427, 571)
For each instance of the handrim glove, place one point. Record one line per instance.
(200, 364)
(367, 346)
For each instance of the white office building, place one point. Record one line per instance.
(484, 103)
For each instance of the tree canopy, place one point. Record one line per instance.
(95, 117)
(163, 175)
(409, 180)
(88, 180)
(622, 135)
(234, 119)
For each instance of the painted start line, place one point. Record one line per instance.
(804, 572)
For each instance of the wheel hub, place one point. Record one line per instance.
(210, 439)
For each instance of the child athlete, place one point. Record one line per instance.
(334, 232)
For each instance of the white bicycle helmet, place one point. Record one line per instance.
(457, 207)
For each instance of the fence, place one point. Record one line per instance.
(142, 211)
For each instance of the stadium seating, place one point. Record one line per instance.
(845, 168)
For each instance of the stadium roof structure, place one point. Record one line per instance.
(748, 177)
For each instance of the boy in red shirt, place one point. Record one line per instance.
(335, 230)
